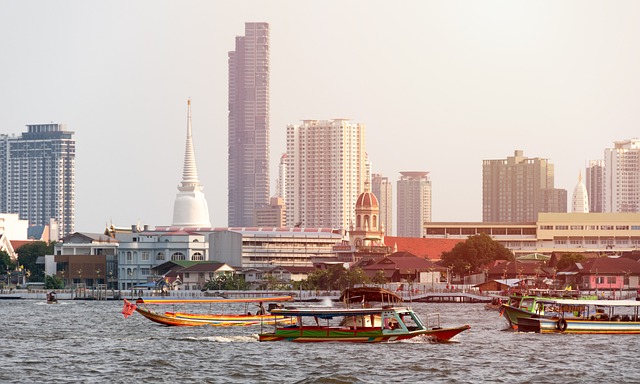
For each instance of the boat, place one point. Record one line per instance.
(530, 306)
(52, 298)
(585, 317)
(177, 318)
(397, 323)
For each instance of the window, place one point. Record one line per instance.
(145, 271)
(145, 256)
(197, 256)
(129, 257)
(178, 256)
(160, 256)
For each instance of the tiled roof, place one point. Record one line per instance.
(606, 265)
(426, 248)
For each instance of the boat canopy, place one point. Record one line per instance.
(206, 300)
(328, 313)
(604, 303)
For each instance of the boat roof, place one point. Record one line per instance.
(206, 300)
(607, 303)
(328, 313)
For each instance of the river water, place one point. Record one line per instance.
(91, 342)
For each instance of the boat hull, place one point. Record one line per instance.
(362, 335)
(576, 326)
(221, 320)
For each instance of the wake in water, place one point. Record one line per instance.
(225, 339)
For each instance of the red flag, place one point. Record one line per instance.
(128, 308)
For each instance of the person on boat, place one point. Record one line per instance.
(261, 311)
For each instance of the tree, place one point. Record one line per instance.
(5, 262)
(379, 278)
(53, 282)
(474, 253)
(28, 254)
(568, 260)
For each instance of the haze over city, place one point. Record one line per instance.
(440, 85)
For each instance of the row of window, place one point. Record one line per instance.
(176, 256)
(590, 227)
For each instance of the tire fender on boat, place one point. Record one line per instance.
(562, 325)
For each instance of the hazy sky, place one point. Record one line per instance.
(440, 85)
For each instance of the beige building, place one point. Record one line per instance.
(271, 215)
(325, 173)
(610, 233)
(414, 203)
(383, 189)
(622, 177)
(517, 188)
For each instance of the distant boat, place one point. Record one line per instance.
(261, 316)
(396, 323)
(52, 298)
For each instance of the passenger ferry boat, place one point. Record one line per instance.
(364, 325)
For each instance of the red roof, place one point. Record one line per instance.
(426, 248)
(19, 243)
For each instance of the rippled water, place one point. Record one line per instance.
(91, 342)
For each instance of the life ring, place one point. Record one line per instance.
(562, 325)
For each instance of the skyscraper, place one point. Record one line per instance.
(595, 185)
(248, 125)
(326, 171)
(190, 208)
(38, 176)
(622, 177)
(383, 190)
(414, 203)
(518, 188)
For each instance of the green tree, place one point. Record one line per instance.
(379, 278)
(474, 253)
(5, 262)
(28, 254)
(568, 260)
(53, 282)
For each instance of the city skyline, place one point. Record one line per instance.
(441, 86)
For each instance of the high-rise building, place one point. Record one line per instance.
(282, 176)
(190, 208)
(516, 189)
(272, 215)
(414, 203)
(38, 176)
(622, 177)
(326, 171)
(595, 185)
(248, 125)
(383, 190)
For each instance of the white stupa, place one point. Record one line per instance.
(190, 208)
(580, 197)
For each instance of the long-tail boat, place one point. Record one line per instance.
(396, 323)
(176, 318)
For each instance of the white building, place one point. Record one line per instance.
(580, 198)
(263, 247)
(11, 228)
(595, 185)
(141, 250)
(37, 177)
(190, 208)
(414, 203)
(326, 171)
(622, 177)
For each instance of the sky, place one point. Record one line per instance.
(441, 85)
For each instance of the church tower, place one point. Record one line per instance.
(368, 231)
(190, 208)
